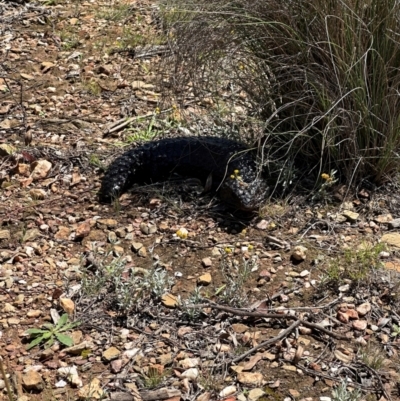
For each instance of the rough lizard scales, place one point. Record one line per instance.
(235, 174)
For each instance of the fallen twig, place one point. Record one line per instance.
(241, 312)
(273, 340)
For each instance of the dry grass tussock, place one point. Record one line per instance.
(320, 77)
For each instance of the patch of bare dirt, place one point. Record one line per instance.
(177, 298)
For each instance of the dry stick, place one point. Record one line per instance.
(239, 312)
(277, 338)
(7, 383)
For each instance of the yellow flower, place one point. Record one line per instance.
(236, 172)
(326, 177)
(233, 177)
(228, 250)
(157, 110)
(182, 233)
(250, 247)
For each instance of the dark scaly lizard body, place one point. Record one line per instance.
(194, 157)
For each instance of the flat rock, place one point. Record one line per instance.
(111, 353)
(68, 305)
(255, 394)
(41, 169)
(32, 381)
(351, 216)
(299, 253)
(364, 308)
(204, 279)
(383, 218)
(360, 324)
(392, 239)
(394, 223)
(169, 300)
(250, 378)
(206, 262)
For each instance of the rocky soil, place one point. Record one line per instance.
(165, 294)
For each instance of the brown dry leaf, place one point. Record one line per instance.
(76, 178)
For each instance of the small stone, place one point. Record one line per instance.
(116, 365)
(342, 317)
(290, 368)
(32, 381)
(170, 301)
(34, 313)
(262, 225)
(227, 391)
(83, 230)
(392, 239)
(204, 279)
(41, 169)
(111, 353)
(364, 308)
(76, 337)
(239, 328)
(188, 363)
(206, 262)
(304, 273)
(148, 228)
(265, 274)
(62, 233)
(8, 308)
(394, 223)
(352, 314)
(249, 378)
(383, 218)
(68, 305)
(299, 253)
(106, 223)
(91, 390)
(136, 246)
(360, 325)
(294, 393)
(255, 394)
(142, 252)
(351, 216)
(190, 374)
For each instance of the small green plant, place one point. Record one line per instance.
(95, 161)
(52, 332)
(342, 393)
(372, 356)
(396, 330)
(233, 292)
(92, 87)
(146, 134)
(116, 13)
(354, 264)
(154, 377)
(328, 180)
(195, 297)
(68, 40)
(124, 288)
